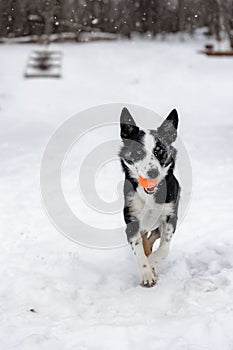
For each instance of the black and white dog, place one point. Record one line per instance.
(151, 190)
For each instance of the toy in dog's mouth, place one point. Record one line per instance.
(149, 185)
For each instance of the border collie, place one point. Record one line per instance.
(151, 191)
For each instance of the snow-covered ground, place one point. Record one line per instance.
(89, 299)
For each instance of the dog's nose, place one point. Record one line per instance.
(153, 173)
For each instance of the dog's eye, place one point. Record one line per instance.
(158, 150)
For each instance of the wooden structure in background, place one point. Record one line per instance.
(44, 63)
(210, 51)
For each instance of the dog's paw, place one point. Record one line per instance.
(148, 278)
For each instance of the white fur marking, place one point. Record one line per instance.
(149, 213)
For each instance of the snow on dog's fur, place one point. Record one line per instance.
(149, 213)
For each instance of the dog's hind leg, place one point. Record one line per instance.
(149, 241)
(166, 232)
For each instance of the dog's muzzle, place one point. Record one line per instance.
(149, 185)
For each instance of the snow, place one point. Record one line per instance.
(89, 299)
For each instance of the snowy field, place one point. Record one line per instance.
(87, 299)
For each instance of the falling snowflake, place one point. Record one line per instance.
(95, 21)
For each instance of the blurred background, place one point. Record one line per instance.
(122, 17)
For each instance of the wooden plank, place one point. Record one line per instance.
(217, 53)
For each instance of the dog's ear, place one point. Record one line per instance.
(128, 125)
(168, 129)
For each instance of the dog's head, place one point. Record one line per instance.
(148, 154)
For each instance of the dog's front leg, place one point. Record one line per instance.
(147, 272)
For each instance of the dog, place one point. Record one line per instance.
(151, 191)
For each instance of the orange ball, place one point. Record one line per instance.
(147, 183)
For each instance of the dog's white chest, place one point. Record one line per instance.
(149, 213)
